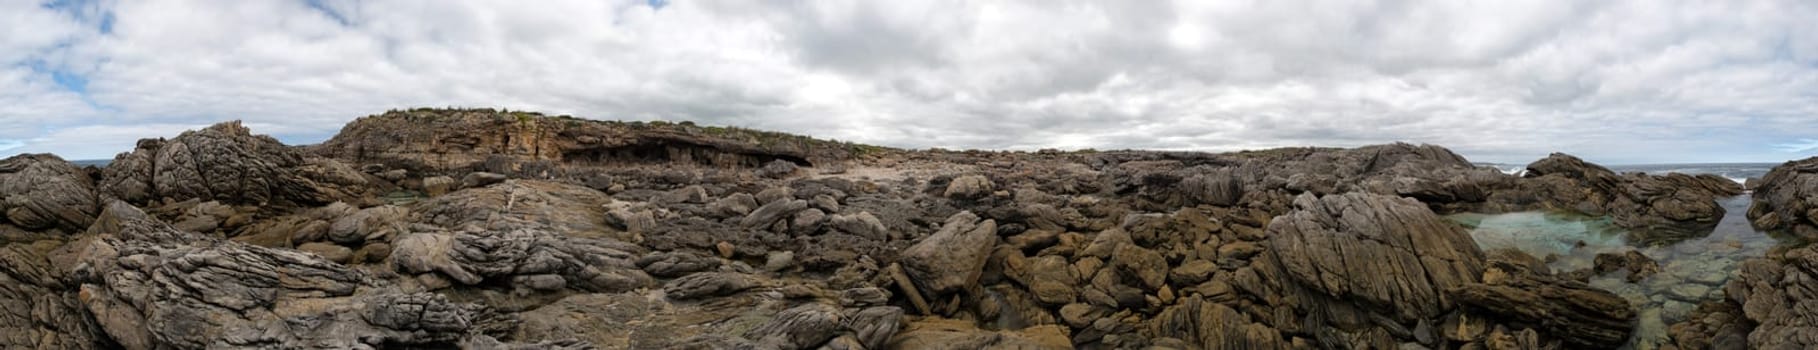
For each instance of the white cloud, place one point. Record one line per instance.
(1621, 81)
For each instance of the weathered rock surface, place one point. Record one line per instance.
(1783, 199)
(1384, 252)
(44, 192)
(567, 234)
(445, 141)
(227, 162)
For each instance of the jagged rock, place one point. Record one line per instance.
(40, 307)
(1388, 252)
(42, 191)
(708, 284)
(1774, 294)
(451, 140)
(472, 257)
(1658, 208)
(155, 287)
(223, 162)
(1570, 311)
(952, 258)
(1781, 199)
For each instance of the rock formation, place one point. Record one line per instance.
(500, 230)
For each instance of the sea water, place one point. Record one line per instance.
(1693, 269)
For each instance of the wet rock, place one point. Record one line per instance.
(1568, 310)
(1637, 265)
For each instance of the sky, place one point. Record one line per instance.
(1616, 82)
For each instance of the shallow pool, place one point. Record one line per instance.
(1692, 270)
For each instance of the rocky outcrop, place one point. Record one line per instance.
(1657, 209)
(1382, 252)
(1774, 293)
(514, 230)
(521, 143)
(1566, 310)
(150, 286)
(44, 192)
(227, 162)
(1782, 199)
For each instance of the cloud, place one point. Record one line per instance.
(1616, 81)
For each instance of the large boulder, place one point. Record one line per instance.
(1563, 309)
(951, 259)
(41, 191)
(226, 162)
(1388, 253)
(1783, 199)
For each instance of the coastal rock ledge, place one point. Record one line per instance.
(486, 229)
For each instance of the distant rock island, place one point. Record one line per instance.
(487, 229)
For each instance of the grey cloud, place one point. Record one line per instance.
(1621, 81)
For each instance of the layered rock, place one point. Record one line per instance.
(1783, 199)
(1385, 252)
(44, 192)
(515, 142)
(1657, 209)
(227, 162)
(1775, 294)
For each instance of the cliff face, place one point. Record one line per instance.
(486, 229)
(462, 140)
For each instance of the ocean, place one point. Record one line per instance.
(1739, 172)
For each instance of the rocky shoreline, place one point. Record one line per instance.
(487, 229)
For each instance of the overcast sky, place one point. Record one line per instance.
(1498, 81)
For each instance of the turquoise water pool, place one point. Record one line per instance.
(1693, 269)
